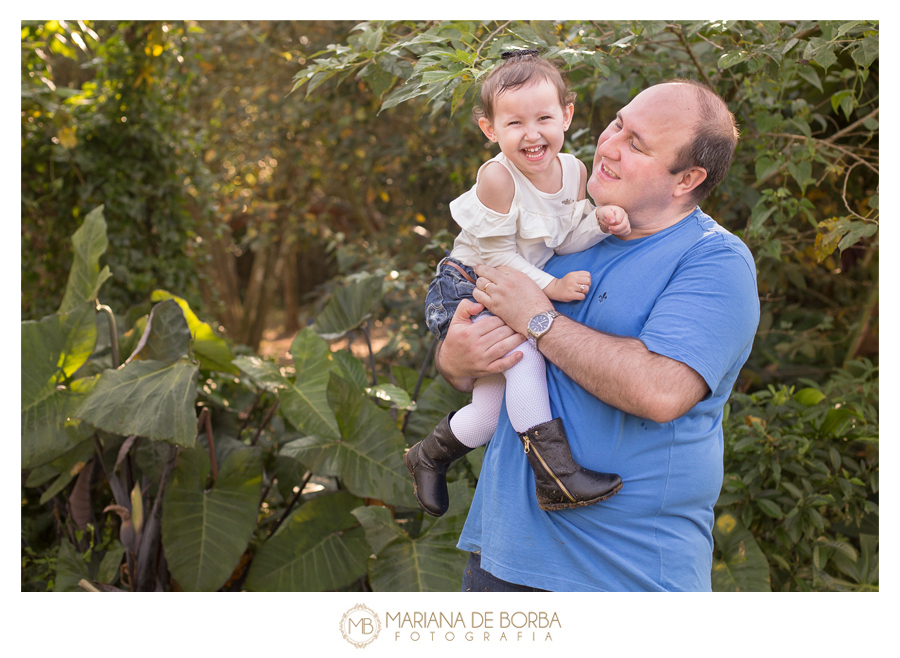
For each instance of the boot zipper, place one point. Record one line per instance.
(528, 447)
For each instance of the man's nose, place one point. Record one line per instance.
(609, 147)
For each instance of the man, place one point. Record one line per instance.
(638, 372)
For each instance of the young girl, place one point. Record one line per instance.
(528, 203)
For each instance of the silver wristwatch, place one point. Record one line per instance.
(540, 324)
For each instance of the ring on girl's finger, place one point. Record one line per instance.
(582, 287)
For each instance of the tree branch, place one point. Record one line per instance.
(488, 39)
(844, 131)
(265, 421)
(425, 362)
(206, 419)
(844, 194)
(290, 506)
(828, 144)
(365, 331)
(690, 51)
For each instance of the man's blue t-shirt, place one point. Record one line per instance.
(689, 293)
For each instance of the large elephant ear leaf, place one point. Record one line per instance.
(317, 549)
(70, 569)
(430, 562)
(166, 337)
(304, 402)
(52, 350)
(147, 398)
(55, 348)
(435, 402)
(367, 454)
(349, 307)
(85, 277)
(211, 350)
(743, 567)
(206, 530)
(265, 374)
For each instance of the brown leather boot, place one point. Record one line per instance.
(427, 463)
(560, 483)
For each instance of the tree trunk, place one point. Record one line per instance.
(222, 290)
(265, 275)
(290, 288)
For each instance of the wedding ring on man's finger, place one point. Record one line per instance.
(486, 285)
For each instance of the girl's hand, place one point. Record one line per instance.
(571, 288)
(614, 220)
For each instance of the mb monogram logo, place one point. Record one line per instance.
(360, 626)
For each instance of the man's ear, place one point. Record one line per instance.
(487, 129)
(689, 180)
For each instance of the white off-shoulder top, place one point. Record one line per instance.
(537, 225)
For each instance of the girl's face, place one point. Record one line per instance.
(530, 126)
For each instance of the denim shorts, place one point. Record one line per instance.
(447, 289)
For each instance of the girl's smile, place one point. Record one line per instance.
(530, 125)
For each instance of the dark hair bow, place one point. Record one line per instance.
(509, 54)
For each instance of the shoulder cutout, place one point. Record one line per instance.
(496, 188)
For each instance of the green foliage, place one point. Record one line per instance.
(349, 307)
(70, 569)
(153, 393)
(364, 453)
(427, 562)
(304, 401)
(321, 547)
(205, 529)
(101, 102)
(52, 349)
(801, 474)
(209, 506)
(743, 566)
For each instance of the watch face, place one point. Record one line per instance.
(539, 324)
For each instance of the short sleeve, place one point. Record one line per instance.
(480, 221)
(708, 313)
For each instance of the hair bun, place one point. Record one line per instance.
(509, 54)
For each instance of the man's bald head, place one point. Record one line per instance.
(714, 141)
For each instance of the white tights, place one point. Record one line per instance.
(527, 400)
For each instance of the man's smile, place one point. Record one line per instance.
(607, 171)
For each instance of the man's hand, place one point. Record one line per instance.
(475, 349)
(511, 295)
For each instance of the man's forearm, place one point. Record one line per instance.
(622, 372)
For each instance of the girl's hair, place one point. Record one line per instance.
(516, 71)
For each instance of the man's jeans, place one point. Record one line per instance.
(476, 579)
